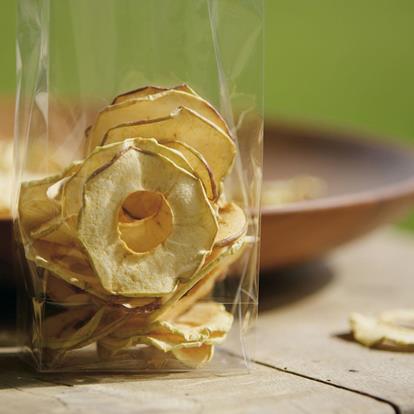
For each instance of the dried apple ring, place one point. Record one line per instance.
(155, 272)
(149, 107)
(189, 127)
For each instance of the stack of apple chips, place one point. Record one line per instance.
(131, 238)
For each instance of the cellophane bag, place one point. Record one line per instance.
(139, 124)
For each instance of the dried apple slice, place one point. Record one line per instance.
(194, 357)
(149, 107)
(371, 331)
(232, 224)
(203, 326)
(150, 90)
(35, 207)
(187, 126)
(155, 273)
(199, 165)
(37, 204)
(143, 92)
(40, 203)
(205, 321)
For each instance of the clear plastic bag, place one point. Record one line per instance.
(138, 237)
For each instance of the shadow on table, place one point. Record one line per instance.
(282, 287)
(401, 349)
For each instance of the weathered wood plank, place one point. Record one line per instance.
(302, 328)
(310, 336)
(265, 390)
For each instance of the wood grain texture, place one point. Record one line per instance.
(306, 360)
(311, 336)
(265, 390)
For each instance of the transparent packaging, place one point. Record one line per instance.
(138, 165)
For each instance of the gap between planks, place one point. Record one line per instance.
(297, 374)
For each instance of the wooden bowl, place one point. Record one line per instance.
(369, 183)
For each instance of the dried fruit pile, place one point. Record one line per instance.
(130, 238)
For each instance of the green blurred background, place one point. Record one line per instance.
(341, 62)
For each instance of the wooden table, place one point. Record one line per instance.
(306, 361)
